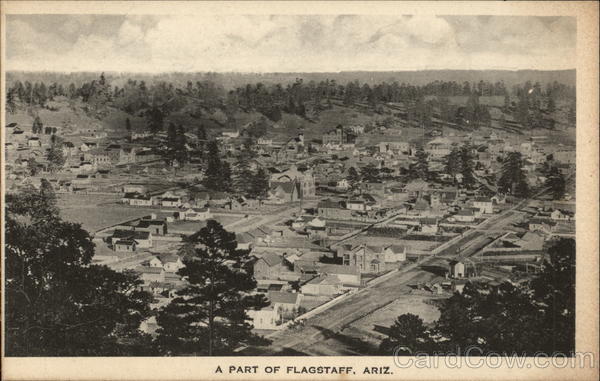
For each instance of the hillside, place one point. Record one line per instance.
(233, 80)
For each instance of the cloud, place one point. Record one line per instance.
(286, 42)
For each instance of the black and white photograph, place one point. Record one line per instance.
(327, 184)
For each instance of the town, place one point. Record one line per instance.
(354, 207)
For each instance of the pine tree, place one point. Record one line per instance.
(353, 178)
(466, 164)
(420, 169)
(57, 302)
(555, 181)
(259, 184)
(37, 126)
(512, 179)
(56, 156)
(217, 175)
(208, 317)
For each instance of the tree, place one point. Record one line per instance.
(128, 125)
(242, 181)
(353, 178)
(453, 163)
(407, 336)
(555, 181)
(466, 163)
(554, 290)
(369, 173)
(155, 119)
(217, 175)
(57, 302)
(512, 179)
(32, 166)
(420, 168)
(37, 126)
(56, 156)
(208, 317)
(259, 184)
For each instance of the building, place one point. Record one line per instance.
(465, 215)
(429, 225)
(457, 269)
(156, 227)
(305, 180)
(194, 214)
(142, 239)
(323, 285)
(484, 204)
(283, 192)
(136, 199)
(169, 262)
(338, 136)
(269, 266)
(372, 259)
(126, 245)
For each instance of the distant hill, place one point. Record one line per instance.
(232, 80)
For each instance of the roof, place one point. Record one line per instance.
(272, 259)
(325, 279)
(429, 221)
(339, 269)
(283, 297)
(328, 204)
(287, 187)
(465, 212)
(148, 270)
(127, 242)
(482, 199)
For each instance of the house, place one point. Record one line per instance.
(172, 202)
(357, 205)
(127, 245)
(457, 269)
(34, 141)
(269, 266)
(485, 205)
(348, 275)
(559, 215)
(333, 209)
(136, 199)
(541, 224)
(156, 227)
(143, 239)
(285, 302)
(194, 214)
(429, 225)
(372, 259)
(267, 318)
(283, 192)
(305, 180)
(240, 203)
(323, 285)
(338, 136)
(465, 215)
(169, 262)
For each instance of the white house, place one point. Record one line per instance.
(485, 205)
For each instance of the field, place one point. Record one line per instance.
(94, 212)
(386, 316)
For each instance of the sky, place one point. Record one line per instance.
(287, 43)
